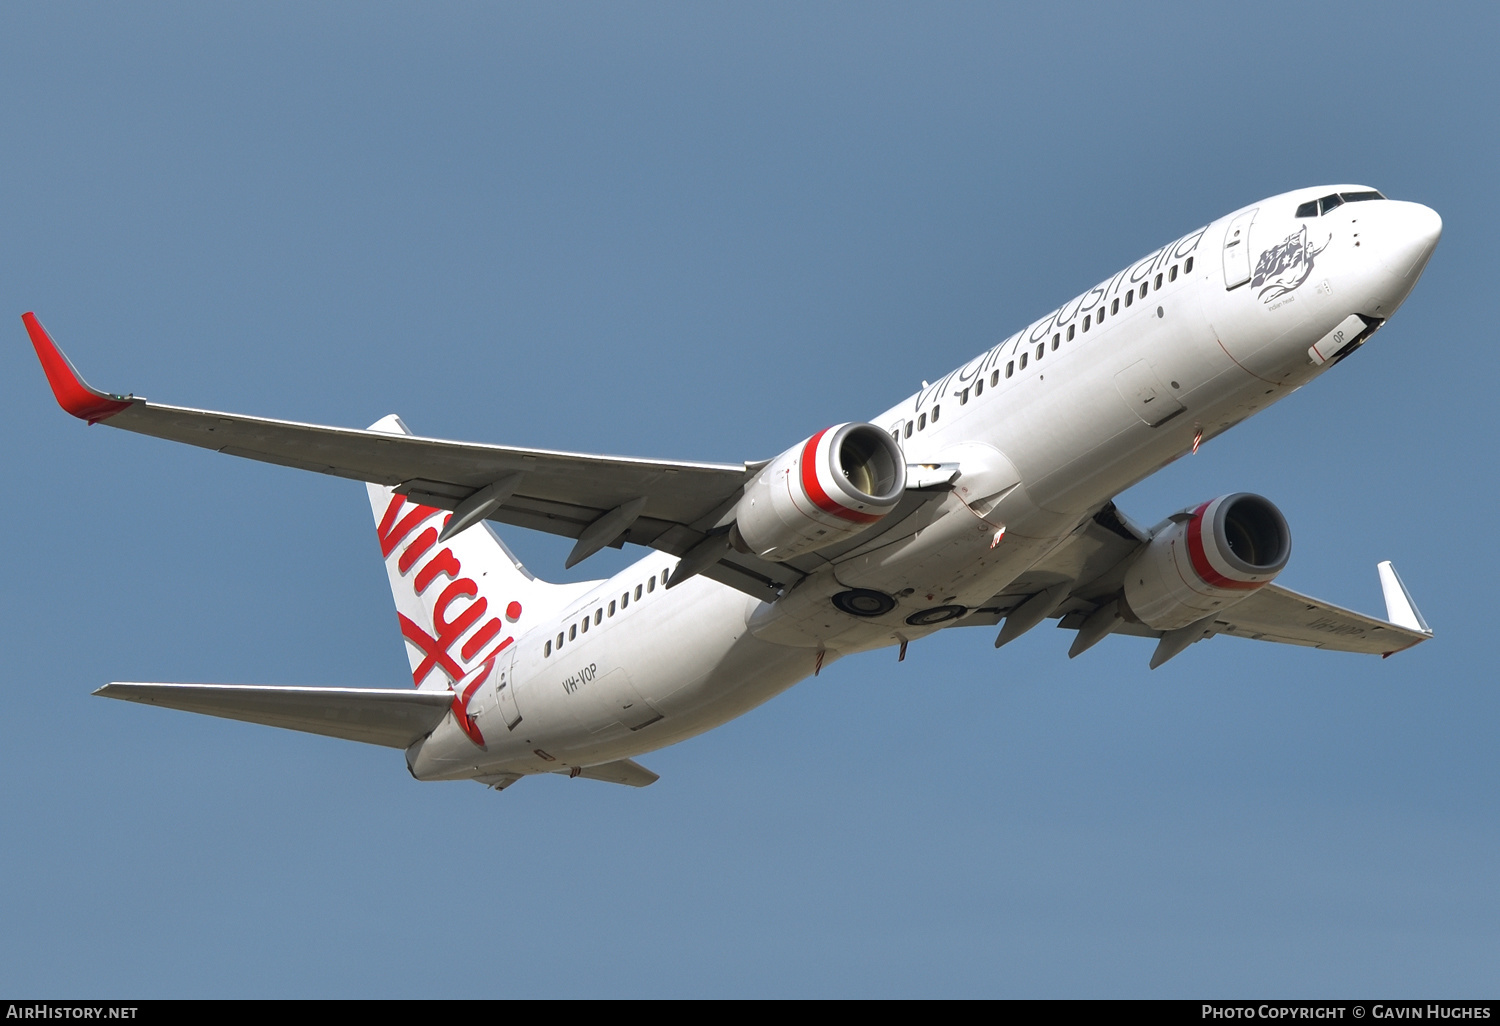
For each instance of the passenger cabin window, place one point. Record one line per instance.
(598, 616)
(1023, 361)
(624, 601)
(572, 632)
(651, 584)
(559, 641)
(637, 592)
(1114, 307)
(1041, 350)
(921, 422)
(1172, 274)
(1055, 340)
(935, 411)
(1187, 267)
(908, 429)
(979, 388)
(664, 577)
(1071, 328)
(1145, 285)
(1010, 368)
(1085, 322)
(963, 397)
(585, 625)
(547, 649)
(1158, 283)
(1129, 297)
(611, 607)
(995, 377)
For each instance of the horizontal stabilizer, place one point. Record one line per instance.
(376, 716)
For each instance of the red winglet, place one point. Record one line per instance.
(73, 395)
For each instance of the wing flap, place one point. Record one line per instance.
(392, 718)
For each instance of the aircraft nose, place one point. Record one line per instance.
(1412, 232)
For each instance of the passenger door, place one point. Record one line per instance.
(505, 691)
(1237, 250)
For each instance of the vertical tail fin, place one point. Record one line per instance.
(461, 601)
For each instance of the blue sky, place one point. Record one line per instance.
(704, 232)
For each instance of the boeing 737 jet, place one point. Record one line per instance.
(983, 500)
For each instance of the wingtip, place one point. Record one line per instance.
(1400, 609)
(73, 394)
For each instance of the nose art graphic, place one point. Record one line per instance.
(1286, 266)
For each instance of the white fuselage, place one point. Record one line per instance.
(1046, 427)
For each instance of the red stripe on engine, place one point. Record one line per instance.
(813, 489)
(1201, 566)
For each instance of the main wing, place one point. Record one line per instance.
(1275, 613)
(670, 506)
(1089, 567)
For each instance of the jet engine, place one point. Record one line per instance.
(1207, 559)
(827, 488)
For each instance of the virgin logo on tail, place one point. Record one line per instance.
(436, 640)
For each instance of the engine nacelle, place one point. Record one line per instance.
(1207, 559)
(835, 484)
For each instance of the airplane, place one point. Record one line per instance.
(985, 499)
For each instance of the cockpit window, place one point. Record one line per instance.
(1313, 207)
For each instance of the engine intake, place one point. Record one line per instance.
(822, 490)
(1207, 559)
